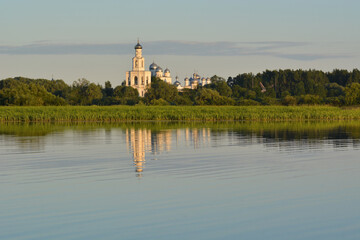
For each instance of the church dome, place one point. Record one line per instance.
(167, 71)
(138, 46)
(159, 69)
(153, 66)
(177, 83)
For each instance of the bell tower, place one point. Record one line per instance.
(138, 78)
(138, 61)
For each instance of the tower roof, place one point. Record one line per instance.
(138, 45)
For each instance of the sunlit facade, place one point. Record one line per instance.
(138, 78)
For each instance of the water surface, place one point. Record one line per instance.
(180, 181)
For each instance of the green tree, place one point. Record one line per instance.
(85, 93)
(299, 89)
(220, 86)
(160, 89)
(334, 90)
(126, 95)
(238, 91)
(355, 76)
(340, 77)
(309, 99)
(108, 90)
(352, 94)
(207, 96)
(183, 100)
(17, 92)
(288, 100)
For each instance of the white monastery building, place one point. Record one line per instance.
(156, 71)
(140, 79)
(193, 82)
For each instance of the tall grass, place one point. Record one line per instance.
(174, 113)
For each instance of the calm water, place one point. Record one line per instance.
(178, 181)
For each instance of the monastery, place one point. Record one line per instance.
(140, 79)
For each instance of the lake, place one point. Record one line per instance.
(295, 180)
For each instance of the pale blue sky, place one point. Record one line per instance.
(94, 39)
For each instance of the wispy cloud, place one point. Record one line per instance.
(181, 48)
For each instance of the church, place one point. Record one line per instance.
(140, 79)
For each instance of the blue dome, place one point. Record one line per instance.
(153, 66)
(138, 46)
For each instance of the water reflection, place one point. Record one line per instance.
(214, 180)
(138, 142)
(142, 141)
(145, 141)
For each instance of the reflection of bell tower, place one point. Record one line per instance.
(138, 142)
(142, 141)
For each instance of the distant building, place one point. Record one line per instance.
(192, 83)
(138, 78)
(141, 80)
(157, 71)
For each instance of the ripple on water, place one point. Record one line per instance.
(203, 183)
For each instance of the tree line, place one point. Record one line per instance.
(277, 87)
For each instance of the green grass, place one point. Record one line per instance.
(174, 113)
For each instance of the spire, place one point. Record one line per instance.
(138, 45)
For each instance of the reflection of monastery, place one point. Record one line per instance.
(143, 141)
(140, 79)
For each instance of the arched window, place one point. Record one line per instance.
(136, 80)
(142, 81)
(147, 80)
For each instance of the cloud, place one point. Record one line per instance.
(59, 49)
(311, 57)
(180, 48)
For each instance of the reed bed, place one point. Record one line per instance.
(174, 113)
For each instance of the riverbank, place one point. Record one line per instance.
(175, 113)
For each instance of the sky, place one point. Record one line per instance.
(95, 39)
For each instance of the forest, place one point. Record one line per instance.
(271, 87)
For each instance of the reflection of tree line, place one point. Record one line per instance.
(340, 135)
(157, 140)
(141, 141)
